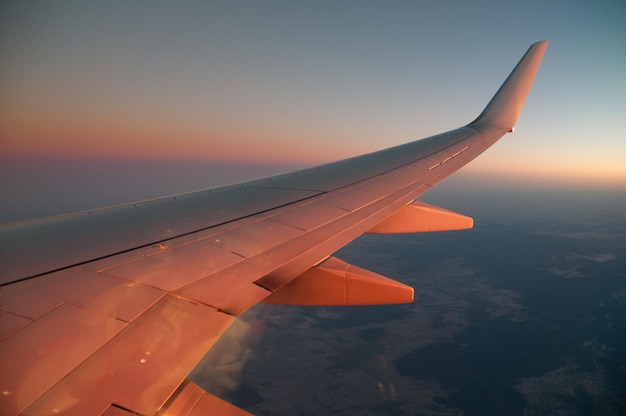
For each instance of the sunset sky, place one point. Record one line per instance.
(300, 83)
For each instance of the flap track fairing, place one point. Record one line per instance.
(337, 283)
(419, 217)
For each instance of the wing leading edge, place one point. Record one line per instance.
(107, 312)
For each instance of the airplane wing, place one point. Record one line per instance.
(106, 312)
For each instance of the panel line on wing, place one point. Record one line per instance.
(119, 371)
(154, 243)
(436, 165)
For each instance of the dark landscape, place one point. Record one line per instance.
(523, 315)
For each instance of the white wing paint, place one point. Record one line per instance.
(106, 312)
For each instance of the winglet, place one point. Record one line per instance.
(506, 106)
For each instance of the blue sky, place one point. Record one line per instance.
(301, 83)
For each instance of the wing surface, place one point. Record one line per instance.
(106, 312)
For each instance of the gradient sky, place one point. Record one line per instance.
(302, 83)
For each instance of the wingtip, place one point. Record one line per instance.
(542, 44)
(506, 105)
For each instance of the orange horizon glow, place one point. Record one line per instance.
(476, 173)
(142, 139)
(150, 140)
(545, 170)
(546, 179)
(153, 134)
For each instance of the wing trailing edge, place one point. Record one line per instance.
(190, 399)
